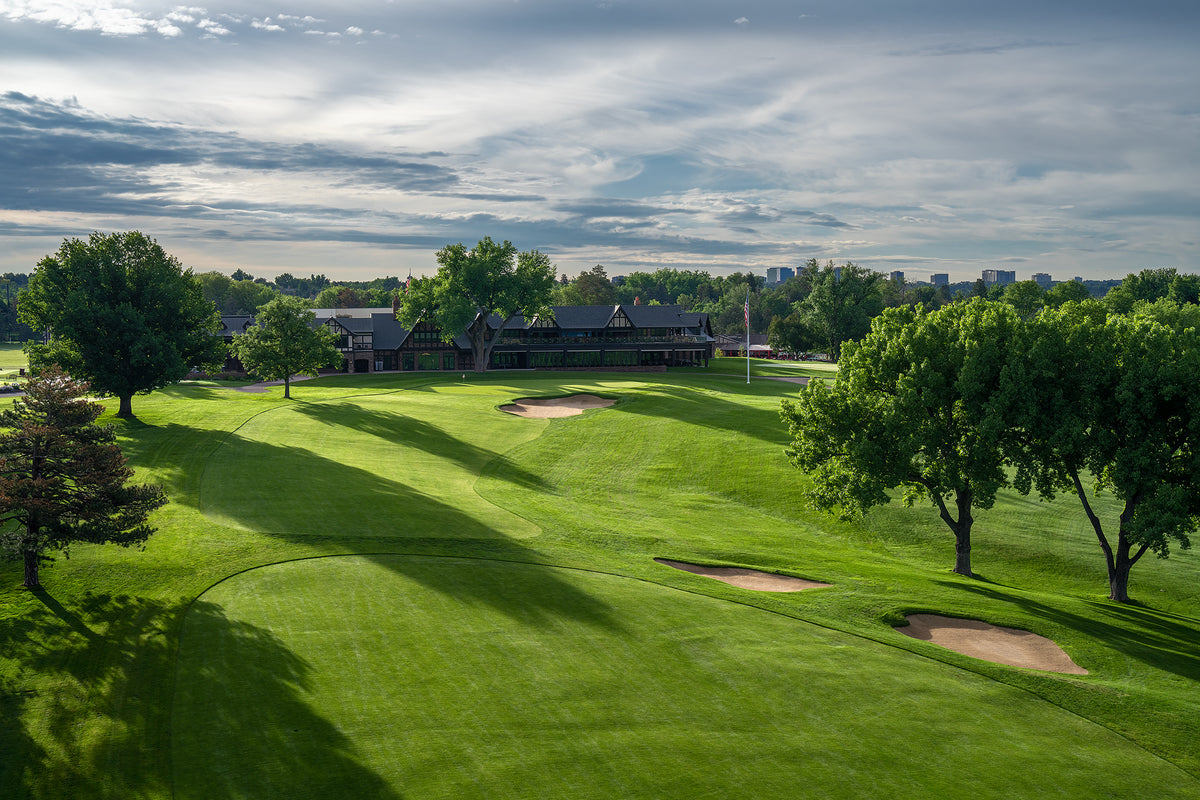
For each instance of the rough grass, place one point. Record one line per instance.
(502, 630)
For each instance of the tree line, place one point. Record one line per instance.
(817, 310)
(952, 405)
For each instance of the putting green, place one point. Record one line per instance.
(423, 677)
(372, 466)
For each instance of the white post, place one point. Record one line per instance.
(747, 333)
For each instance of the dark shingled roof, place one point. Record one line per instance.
(655, 316)
(583, 317)
(389, 333)
(359, 325)
(590, 318)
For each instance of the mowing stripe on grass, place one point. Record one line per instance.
(423, 677)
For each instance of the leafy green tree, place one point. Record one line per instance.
(472, 286)
(841, 305)
(342, 296)
(790, 335)
(309, 287)
(285, 341)
(1185, 289)
(63, 478)
(235, 296)
(1114, 397)
(1150, 285)
(913, 406)
(1066, 292)
(591, 288)
(1027, 297)
(122, 314)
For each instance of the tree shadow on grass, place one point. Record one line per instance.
(95, 675)
(89, 714)
(301, 497)
(1163, 641)
(695, 406)
(297, 493)
(409, 431)
(243, 723)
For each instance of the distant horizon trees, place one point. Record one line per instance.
(793, 319)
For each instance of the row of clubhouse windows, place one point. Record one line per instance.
(451, 360)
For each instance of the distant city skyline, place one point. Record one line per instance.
(354, 140)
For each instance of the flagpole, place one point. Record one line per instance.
(747, 333)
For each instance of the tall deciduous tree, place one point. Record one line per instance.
(122, 314)
(1114, 398)
(591, 288)
(913, 405)
(63, 478)
(841, 305)
(285, 341)
(472, 286)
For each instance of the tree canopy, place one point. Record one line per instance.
(285, 342)
(234, 296)
(63, 478)
(472, 286)
(913, 406)
(1112, 399)
(122, 314)
(841, 305)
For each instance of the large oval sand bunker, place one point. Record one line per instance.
(543, 408)
(746, 578)
(981, 640)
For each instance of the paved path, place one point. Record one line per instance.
(258, 388)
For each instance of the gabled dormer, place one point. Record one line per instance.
(619, 321)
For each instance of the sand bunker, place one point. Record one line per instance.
(976, 639)
(556, 406)
(746, 578)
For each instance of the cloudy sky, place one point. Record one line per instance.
(356, 138)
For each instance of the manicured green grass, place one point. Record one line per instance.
(437, 677)
(500, 628)
(764, 367)
(12, 360)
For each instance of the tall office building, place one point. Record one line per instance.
(999, 276)
(777, 275)
(940, 279)
(1042, 279)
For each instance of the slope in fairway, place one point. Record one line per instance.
(423, 677)
(384, 465)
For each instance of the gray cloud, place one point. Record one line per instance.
(621, 132)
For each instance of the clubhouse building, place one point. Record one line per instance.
(570, 337)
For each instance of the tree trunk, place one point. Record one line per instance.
(962, 551)
(1119, 562)
(1118, 584)
(287, 387)
(1118, 574)
(126, 409)
(479, 347)
(961, 528)
(31, 570)
(483, 345)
